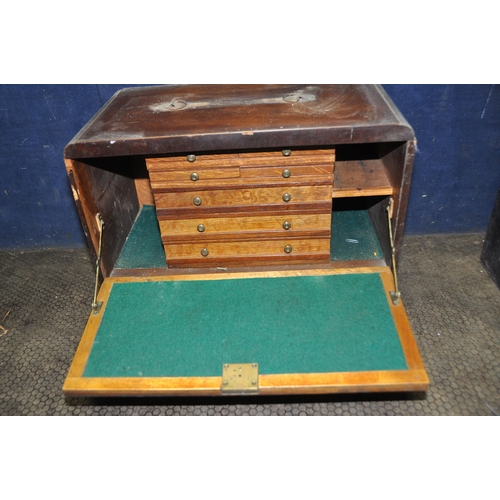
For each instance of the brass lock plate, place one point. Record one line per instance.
(240, 378)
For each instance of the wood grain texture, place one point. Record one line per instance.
(102, 190)
(163, 178)
(244, 227)
(413, 379)
(361, 178)
(245, 250)
(235, 198)
(152, 121)
(398, 161)
(254, 182)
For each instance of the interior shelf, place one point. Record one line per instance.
(361, 178)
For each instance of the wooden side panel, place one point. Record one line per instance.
(398, 161)
(378, 217)
(142, 182)
(102, 187)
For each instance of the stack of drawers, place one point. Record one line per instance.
(244, 208)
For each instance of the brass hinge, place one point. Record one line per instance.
(96, 306)
(240, 378)
(396, 294)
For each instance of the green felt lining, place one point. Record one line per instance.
(353, 238)
(143, 248)
(309, 324)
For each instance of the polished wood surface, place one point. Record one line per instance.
(239, 227)
(221, 193)
(99, 190)
(361, 178)
(237, 134)
(221, 253)
(190, 118)
(233, 198)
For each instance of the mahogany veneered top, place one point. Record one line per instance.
(177, 119)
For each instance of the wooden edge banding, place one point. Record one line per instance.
(355, 193)
(87, 220)
(248, 275)
(413, 379)
(85, 346)
(408, 343)
(150, 386)
(309, 383)
(346, 382)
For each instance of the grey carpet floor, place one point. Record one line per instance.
(452, 304)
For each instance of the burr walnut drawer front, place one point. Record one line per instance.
(273, 226)
(233, 252)
(240, 198)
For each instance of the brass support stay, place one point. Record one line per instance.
(96, 306)
(396, 294)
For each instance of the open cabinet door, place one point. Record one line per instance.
(287, 332)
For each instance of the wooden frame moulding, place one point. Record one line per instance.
(413, 379)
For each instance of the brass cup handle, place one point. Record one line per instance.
(288, 249)
(197, 201)
(287, 197)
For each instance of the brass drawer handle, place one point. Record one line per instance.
(287, 197)
(201, 228)
(287, 225)
(204, 252)
(191, 158)
(287, 152)
(286, 173)
(288, 249)
(194, 177)
(197, 201)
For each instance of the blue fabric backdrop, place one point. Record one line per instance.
(455, 182)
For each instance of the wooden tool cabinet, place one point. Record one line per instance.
(282, 194)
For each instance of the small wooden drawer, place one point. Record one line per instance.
(286, 173)
(245, 252)
(188, 162)
(295, 157)
(233, 198)
(191, 175)
(267, 226)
